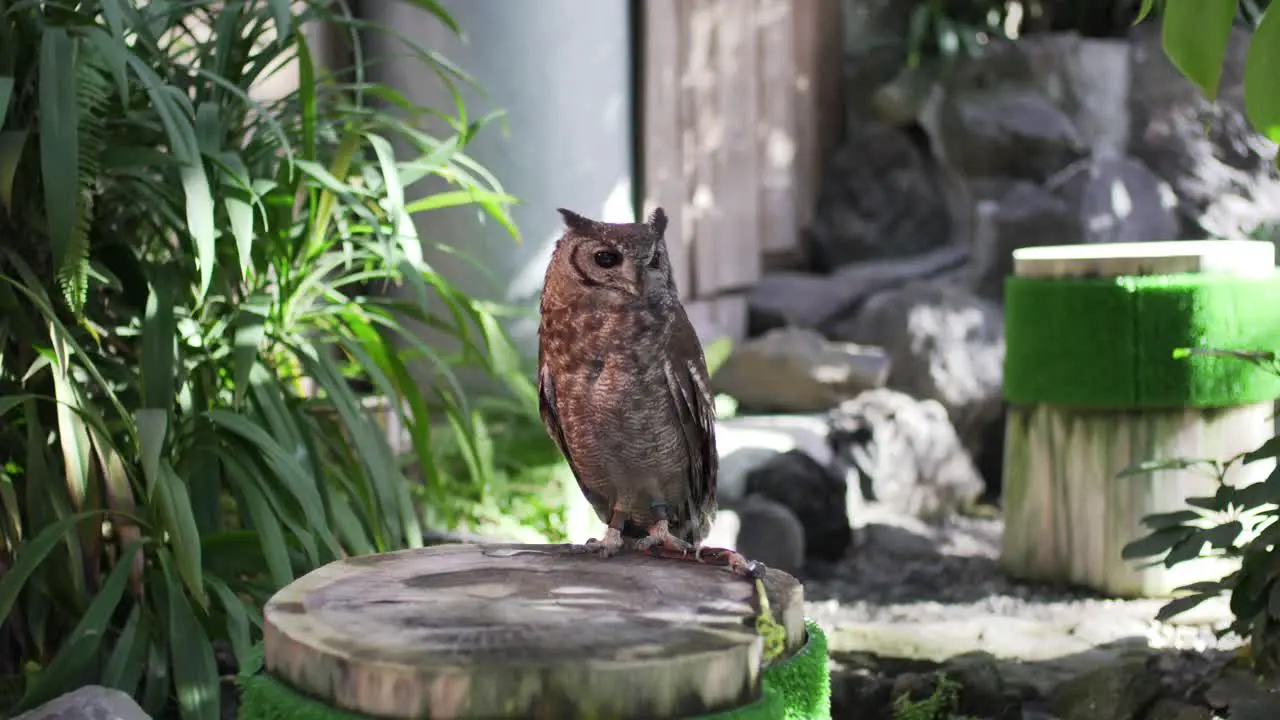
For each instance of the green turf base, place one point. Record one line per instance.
(1109, 342)
(798, 688)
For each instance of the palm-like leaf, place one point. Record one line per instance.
(189, 294)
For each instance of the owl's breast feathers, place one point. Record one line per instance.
(602, 372)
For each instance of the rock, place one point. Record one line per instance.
(1118, 199)
(903, 453)
(1170, 709)
(881, 197)
(1225, 180)
(816, 496)
(798, 370)
(983, 690)
(810, 300)
(1117, 692)
(1007, 132)
(769, 532)
(894, 540)
(945, 344)
(1024, 215)
(91, 702)
(1240, 693)
(748, 441)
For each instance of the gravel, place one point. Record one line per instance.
(904, 573)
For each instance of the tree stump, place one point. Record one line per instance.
(1094, 389)
(529, 631)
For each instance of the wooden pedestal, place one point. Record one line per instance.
(1067, 514)
(513, 631)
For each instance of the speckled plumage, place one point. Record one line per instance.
(623, 384)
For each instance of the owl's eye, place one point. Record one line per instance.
(608, 258)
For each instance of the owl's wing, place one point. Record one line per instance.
(686, 372)
(551, 420)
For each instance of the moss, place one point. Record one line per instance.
(1109, 342)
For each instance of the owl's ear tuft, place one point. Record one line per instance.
(657, 221)
(574, 221)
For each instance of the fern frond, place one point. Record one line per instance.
(92, 97)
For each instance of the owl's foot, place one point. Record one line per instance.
(738, 564)
(607, 547)
(660, 536)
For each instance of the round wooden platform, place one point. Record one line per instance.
(469, 631)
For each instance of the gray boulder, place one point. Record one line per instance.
(1220, 168)
(797, 370)
(944, 343)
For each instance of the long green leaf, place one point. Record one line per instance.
(12, 144)
(1261, 68)
(59, 140)
(264, 520)
(180, 523)
(124, 667)
(300, 485)
(250, 330)
(195, 671)
(153, 426)
(1195, 35)
(237, 620)
(72, 436)
(33, 552)
(6, 91)
(83, 646)
(195, 185)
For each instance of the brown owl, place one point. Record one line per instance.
(623, 389)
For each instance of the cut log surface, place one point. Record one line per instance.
(1245, 258)
(529, 631)
(1067, 514)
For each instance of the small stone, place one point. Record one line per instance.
(1117, 692)
(797, 370)
(91, 702)
(894, 540)
(816, 496)
(770, 533)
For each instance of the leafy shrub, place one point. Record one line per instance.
(191, 287)
(1234, 522)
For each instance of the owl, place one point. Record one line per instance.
(623, 390)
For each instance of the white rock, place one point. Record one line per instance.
(91, 702)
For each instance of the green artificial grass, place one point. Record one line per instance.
(798, 688)
(1109, 342)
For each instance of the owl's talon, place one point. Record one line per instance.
(608, 547)
(660, 537)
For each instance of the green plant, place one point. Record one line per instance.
(192, 287)
(942, 704)
(1235, 522)
(1195, 34)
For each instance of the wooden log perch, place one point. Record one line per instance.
(529, 631)
(1067, 514)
